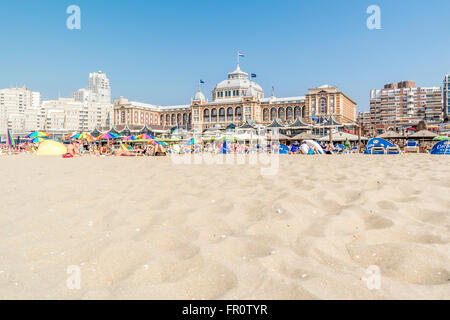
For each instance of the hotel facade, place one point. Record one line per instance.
(235, 101)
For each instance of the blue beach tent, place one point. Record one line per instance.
(284, 149)
(442, 147)
(377, 142)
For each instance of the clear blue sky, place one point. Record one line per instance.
(155, 51)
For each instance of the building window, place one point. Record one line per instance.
(122, 117)
(178, 118)
(222, 115)
(297, 112)
(313, 109)
(161, 119)
(273, 114)
(206, 115)
(146, 118)
(238, 114)
(184, 119)
(289, 113)
(323, 105)
(174, 120)
(230, 114)
(167, 120)
(266, 115)
(281, 114)
(214, 115)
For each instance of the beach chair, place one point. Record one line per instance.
(412, 147)
(378, 149)
(393, 150)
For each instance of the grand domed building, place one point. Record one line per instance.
(235, 101)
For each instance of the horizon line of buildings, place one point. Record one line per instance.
(235, 101)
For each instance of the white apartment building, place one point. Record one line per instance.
(67, 115)
(98, 89)
(19, 110)
(446, 96)
(96, 98)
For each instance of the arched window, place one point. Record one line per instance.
(297, 112)
(122, 117)
(289, 113)
(303, 112)
(273, 114)
(281, 113)
(238, 113)
(136, 117)
(222, 115)
(214, 115)
(266, 115)
(142, 118)
(206, 115)
(184, 118)
(167, 120)
(230, 114)
(161, 119)
(174, 120)
(323, 105)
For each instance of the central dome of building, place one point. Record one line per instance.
(236, 86)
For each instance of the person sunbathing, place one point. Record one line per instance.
(73, 149)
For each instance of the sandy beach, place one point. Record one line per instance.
(145, 228)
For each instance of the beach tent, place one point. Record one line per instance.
(312, 143)
(442, 147)
(377, 142)
(51, 148)
(284, 149)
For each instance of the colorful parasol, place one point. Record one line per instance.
(107, 136)
(194, 141)
(145, 137)
(38, 139)
(83, 137)
(39, 134)
(9, 139)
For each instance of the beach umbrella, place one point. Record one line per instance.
(347, 143)
(36, 140)
(9, 139)
(390, 135)
(423, 134)
(145, 137)
(83, 136)
(131, 138)
(39, 134)
(194, 141)
(107, 136)
(441, 138)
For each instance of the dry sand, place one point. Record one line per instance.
(148, 229)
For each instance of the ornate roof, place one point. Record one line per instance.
(246, 125)
(299, 123)
(276, 124)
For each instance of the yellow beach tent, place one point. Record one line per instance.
(51, 148)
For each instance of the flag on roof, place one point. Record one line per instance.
(202, 82)
(241, 54)
(253, 75)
